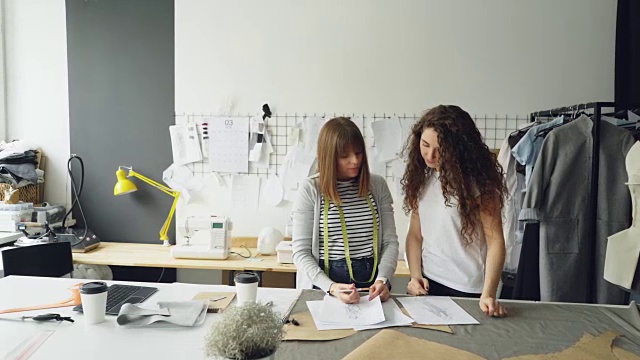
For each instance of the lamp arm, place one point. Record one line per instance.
(167, 223)
(167, 190)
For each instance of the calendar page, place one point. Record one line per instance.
(229, 145)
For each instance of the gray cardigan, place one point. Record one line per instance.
(306, 224)
(558, 197)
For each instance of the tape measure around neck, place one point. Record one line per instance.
(345, 238)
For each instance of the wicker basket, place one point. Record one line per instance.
(30, 193)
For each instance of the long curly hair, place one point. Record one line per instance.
(468, 169)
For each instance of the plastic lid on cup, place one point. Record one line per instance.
(94, 287)
(246, 277)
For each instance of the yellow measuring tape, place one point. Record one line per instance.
(345, 239)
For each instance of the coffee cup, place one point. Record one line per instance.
(94, 301)
(246, 286)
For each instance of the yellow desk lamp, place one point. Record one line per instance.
(125, 186)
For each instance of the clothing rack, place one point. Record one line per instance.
(596, 111)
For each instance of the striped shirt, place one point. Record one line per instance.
(358, 219)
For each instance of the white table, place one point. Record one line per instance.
(108, 340)
(531, 327)
(7, 237)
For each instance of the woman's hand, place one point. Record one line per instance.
(347, 293)
(418, 286)
(379, 288)
(491, 307)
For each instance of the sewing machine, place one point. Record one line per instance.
(212, 234)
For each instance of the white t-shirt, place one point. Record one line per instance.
(445, 256)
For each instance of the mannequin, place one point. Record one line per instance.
(623, 248)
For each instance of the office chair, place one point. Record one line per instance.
(49, 260)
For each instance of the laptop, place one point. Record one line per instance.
(119, 295)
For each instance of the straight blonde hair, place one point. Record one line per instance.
(336, 137)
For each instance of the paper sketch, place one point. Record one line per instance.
(353, 311)
(393, 317)
(315, 308)
(333, 311)
(436, 310)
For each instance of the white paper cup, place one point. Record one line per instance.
(246, 286)
(94, 301)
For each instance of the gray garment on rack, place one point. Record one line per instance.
(558, 197)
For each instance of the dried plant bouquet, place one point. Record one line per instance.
(247, 332)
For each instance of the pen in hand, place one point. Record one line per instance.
(348, 291)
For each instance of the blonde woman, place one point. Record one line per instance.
(344, 233)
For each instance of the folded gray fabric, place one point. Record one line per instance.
(183, 313)
(27, 157)
(20, 171)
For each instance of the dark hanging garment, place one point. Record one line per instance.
(527, 283)
(627, 63)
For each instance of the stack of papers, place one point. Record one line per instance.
(332, 314)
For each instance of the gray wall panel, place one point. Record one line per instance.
(121, 103)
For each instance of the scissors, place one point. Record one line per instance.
(47, 317)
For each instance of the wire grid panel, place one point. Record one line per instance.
(494, 129)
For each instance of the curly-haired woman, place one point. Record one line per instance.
(454, 189)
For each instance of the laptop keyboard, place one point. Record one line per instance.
(119, 293)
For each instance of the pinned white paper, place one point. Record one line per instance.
(185, 145)
(359, 121)
(245, 192)
(265, 152)
(294, 135)
(375, 165)
(257, 140)
(388, 137)
(229, 145)
(180, 178)
(405, 125)
(272, 191)
(295, 168)
(397, 167)
(310, 129)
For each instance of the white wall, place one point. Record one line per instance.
(375, 56)
(492, 56)
(361, 56)
(37, 85)
(3, 97)
(366, 56)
